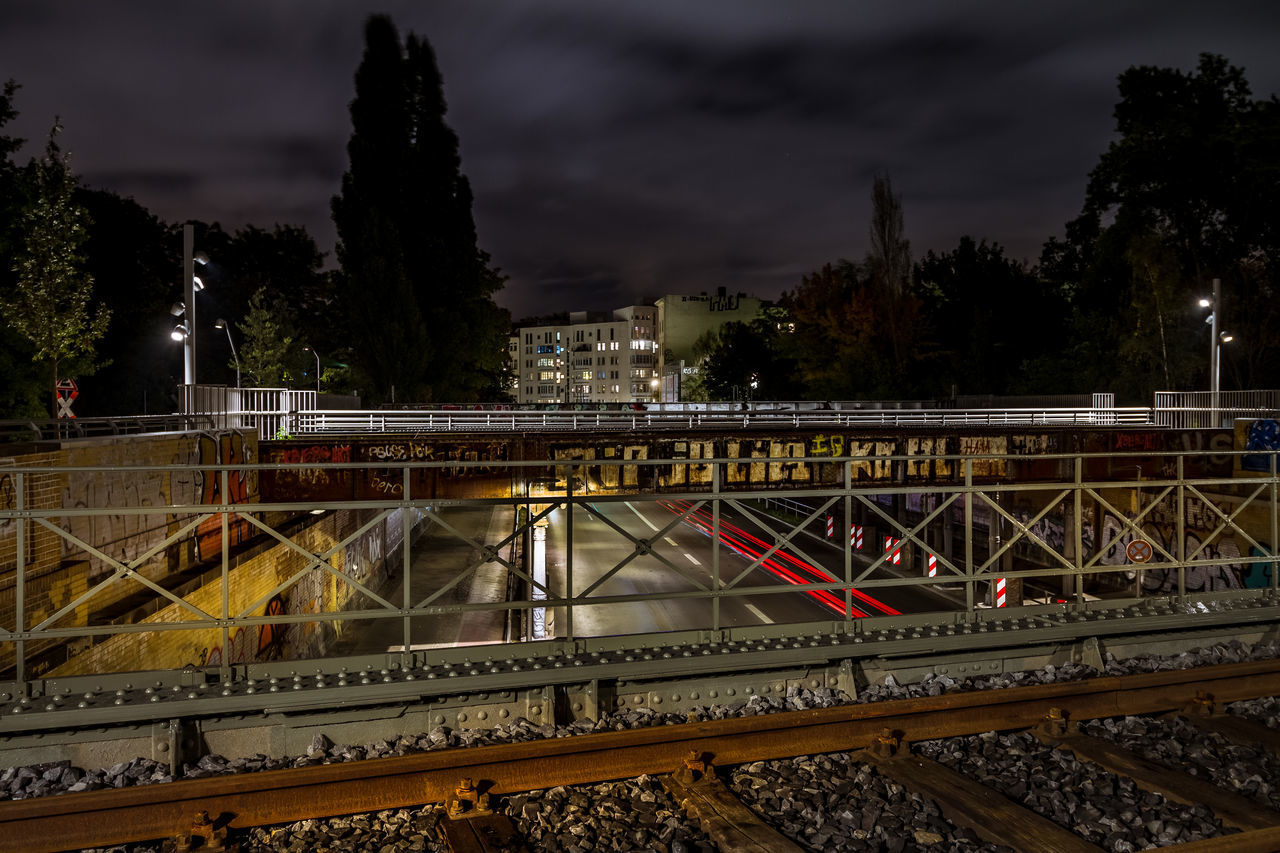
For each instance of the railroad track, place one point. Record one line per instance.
(878, 732)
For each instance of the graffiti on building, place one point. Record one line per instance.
(1262, 435)
(224, 449)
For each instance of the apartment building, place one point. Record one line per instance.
(595, 358)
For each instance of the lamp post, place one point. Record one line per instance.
(186, 332)
(317, 355)
(1216, 339)
(223, 324)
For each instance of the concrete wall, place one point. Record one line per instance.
(249, 591)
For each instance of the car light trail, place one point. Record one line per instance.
(745, 543)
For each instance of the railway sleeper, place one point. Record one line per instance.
(735, 828)
(1232, 809)
(992, 816)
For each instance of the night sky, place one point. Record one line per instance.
(623, 150)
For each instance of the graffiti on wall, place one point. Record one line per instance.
(225, 449)
(1260, 435)
(122, 536)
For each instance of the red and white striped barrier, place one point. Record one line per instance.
(1001, 600)
(855, 536)
(891, 544)
(933, 565)
(831, 527)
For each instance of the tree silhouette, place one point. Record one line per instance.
(51, 301)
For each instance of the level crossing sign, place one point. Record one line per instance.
(66, 391)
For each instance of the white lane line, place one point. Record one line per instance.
(671, 541)
(641, 517)
(755, 610)
(693, 559)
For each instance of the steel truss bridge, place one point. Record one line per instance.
(572, 674)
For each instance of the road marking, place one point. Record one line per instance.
(641, 517)
(671, 541)
(755, 610)
(693, 559)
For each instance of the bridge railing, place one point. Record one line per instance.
(383, 420)
(1212, 409)
(221, 583)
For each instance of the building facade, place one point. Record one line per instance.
(594, 358)
(682, 320)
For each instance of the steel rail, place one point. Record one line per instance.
(117, 816)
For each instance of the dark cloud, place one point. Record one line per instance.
(633, 148)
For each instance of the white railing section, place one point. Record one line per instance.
(346, 421)
(283, 412)
(1201, 409)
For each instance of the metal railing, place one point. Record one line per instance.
(67, 428)
(1200, 540)
(1201, 409)
(409, 421)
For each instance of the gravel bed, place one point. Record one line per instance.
(828, 803)
(59, 777)
(618, 817)
(1242, 768)
(1265, 710)
(1108, 810)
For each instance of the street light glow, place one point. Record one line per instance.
(1205, 303)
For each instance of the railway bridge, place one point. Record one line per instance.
(204, 589)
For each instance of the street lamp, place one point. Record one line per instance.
(317, 355)
(1216, 339)
(191, 285)
(222, 324)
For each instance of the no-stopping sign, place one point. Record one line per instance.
(1139, 550)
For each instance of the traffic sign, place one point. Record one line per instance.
(66, 391)
(1139, 550)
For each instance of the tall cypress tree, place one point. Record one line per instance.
(418, 291)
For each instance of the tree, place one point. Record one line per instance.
(417, 289)
(746, 361)
(22, 392)
(268, 343)
(134, 261)
(1186, 193)
(51, 301)
(992, 320)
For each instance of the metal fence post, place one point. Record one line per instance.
(406, 567)
(20, 589)
(224, 664)
(1182, 533)
(715, 546)
(968, 539)
(568, 557)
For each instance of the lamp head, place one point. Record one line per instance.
(178, 309)
(200, 258)
(196, 283)
(179, 332)
(1226, 337)
(220, 323)
(1205, 303)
